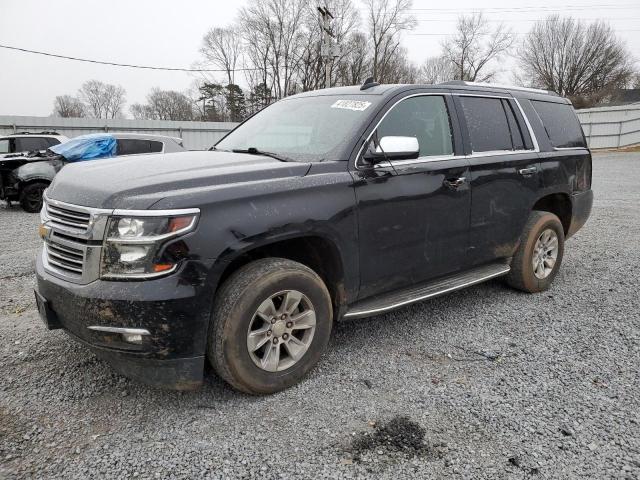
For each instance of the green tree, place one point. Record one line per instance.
(235, 103)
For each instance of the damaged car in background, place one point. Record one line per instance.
(25, 176)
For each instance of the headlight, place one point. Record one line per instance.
(144, 246)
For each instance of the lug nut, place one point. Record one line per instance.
(275, 340)
(289, 324)
(283, 316)
(273, 320)
(268, 333)
(285, 336)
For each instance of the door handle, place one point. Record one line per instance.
(528, 171)
(454, 183)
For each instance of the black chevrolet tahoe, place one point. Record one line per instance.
(334, 204)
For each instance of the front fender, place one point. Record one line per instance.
(35, 171)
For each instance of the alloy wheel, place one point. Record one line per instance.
(281, 330)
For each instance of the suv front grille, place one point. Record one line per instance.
(73, 244)
(68, 218)
(65, 258)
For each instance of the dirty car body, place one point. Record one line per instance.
(372, 230)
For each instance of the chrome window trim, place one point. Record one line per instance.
(438, 94)
(536, 147)
(534, 139)
(440, 158)
(560, 149)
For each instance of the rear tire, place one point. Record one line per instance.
(270, 325)
(31, 196)
(539, 256)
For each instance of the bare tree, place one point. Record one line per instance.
(436, 70)
(583, 62)
(222, 47)
(355, 65)
(68, 107)
(114, 100)
(273, 32)
(474, 46)
(103, 100)
(164, 105)
(386, 20)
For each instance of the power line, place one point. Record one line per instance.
(517, 33)
(534, 8)
(126, 65)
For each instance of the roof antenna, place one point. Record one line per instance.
(369, 83)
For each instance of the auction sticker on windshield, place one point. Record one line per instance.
(357, 105)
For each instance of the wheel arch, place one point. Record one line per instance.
(560, 205)
(318, 252)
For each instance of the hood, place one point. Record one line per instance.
(139, 182)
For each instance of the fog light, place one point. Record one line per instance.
(132, 338)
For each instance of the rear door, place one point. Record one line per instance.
(413, 216)
(504, 174)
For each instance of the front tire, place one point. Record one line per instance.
(271, 323)
(31, 196)
(539, 256)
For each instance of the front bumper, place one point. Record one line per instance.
(174, 310)
(581, 204)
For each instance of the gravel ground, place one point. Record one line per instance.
(483, 383)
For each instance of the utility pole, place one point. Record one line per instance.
(326, 49)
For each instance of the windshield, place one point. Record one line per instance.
(304, 129)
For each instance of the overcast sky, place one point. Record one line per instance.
(168, 33)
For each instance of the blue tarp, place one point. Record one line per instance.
(87, 147)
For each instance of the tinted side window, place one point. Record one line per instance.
(52, 141)
(27, 144)
(561, 124)
(514, 128)
(4, 146)
(425, 118)
(487, 124)
(129, 146)
(155, 147)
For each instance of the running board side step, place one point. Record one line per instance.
(400, 298)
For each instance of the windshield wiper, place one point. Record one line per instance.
(255, 151)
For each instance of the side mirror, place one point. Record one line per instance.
(394, 148)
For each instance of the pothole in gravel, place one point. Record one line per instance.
(400, 435)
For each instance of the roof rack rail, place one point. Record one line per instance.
(369, 83)
(46, 132)
(498, 85)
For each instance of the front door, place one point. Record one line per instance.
(413, 214)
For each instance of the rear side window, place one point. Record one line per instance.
(155, 147)
(487, 124)
(4, 146)
(131, 146)
(28, 144)
(52, 141)
(561, 124)
(426, 118)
